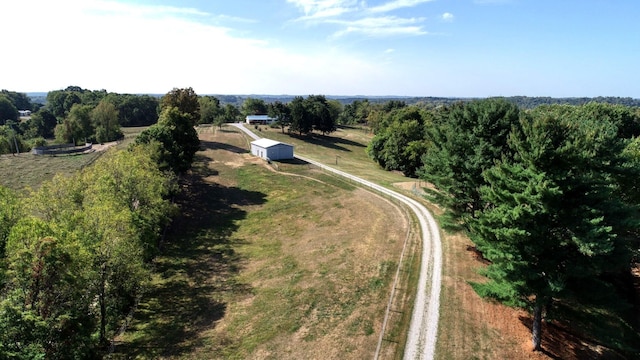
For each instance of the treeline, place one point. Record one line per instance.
(524, 102)
(549, 196)
(75, 254)
(73, 115)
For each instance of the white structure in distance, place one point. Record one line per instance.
(271, 150)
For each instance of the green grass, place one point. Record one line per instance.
(346, 147)
(29, 171)
(247, 254)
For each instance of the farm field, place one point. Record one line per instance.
(283, 264)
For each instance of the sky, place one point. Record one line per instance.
(442, 48)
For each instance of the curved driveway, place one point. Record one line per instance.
(423, 330)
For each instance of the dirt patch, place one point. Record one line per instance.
(103, 146)
(417, 187)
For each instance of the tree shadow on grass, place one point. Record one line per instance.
(196, 271)
(330, 142)
(212, 145)
(294, 161)
(561, 340)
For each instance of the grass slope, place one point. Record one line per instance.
(264, 264)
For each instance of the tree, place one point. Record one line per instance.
(71, 99)
(281, 113)
(465, 140)
(10, 213)
(7, 110)
(392, 105)
(10, 140)
(77, 126)
(300, 122)
(401, 145)
(20, 100)
(253, 106)
(106, 230)
(177, 137)
(105, 122)
(135, 110)
(186, 100)
(133, 181)
(335, 109)
(552, 223)
(231, 113)
(210, 109)
(47, 280)
(354, 113)
(319, 114)
(42, 123)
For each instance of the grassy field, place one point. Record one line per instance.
(285, 264)
(345, 149)
(29, 171)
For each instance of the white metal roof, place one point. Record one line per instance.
(259, 117)
(266, 143)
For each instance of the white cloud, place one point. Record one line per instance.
(315, 9)
(382, 26)
(134, 48)
(353, 17)
(448, 17)
(389, 51)
(397, 4)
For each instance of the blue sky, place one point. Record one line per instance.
(452, 48)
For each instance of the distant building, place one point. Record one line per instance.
(271, 150)
(24, 113)
(260, 119)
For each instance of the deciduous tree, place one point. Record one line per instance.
(177, 136)
(300, 122)
(253, 106)
(105, 122)
(7, 110)
(186, 100)
(210, 109)
(281, 112)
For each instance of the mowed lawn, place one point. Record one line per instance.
(344, 149)
(286, 264)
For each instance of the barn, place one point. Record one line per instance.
(259, 119)
(271, 150)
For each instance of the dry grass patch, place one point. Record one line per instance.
(286, 267)
(29, 171)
